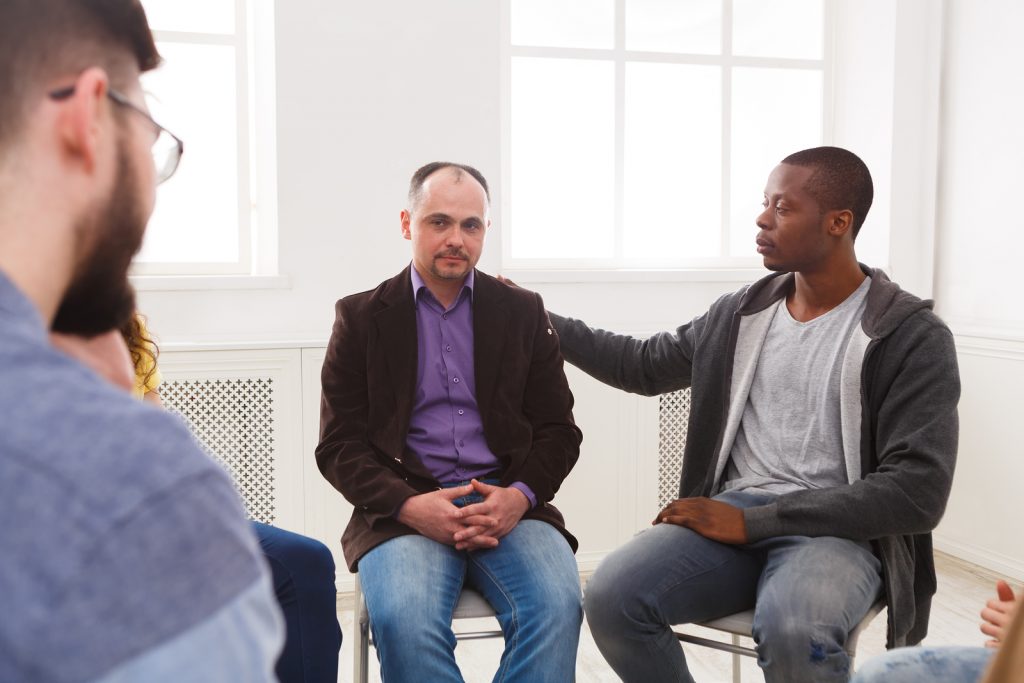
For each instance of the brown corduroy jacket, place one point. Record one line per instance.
(369, 378)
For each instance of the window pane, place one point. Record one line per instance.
(686, 26)
(673, 161)
(562, 158)
(196, 217)
(200, 16)
(775, 112)
(564, 23)
(780, 28)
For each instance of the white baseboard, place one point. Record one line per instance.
(1011, 567)
(588, 561)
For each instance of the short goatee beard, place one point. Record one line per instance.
(100, 297)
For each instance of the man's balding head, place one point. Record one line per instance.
(459, 170)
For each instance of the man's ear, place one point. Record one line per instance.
(79, 118)
(840, 222)
(406, 224)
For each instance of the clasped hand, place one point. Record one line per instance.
(710, 518)
(473, 527)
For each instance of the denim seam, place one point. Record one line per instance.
(503, 667)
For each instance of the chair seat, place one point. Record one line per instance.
(471, 605)
(737, 624)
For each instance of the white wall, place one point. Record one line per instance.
(980, 242)
(367, 92)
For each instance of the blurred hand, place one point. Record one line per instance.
(106, 354)
(998, 614)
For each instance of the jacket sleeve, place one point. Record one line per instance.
(344, 454)
(649, 367)
(547, 404)
(914, 429)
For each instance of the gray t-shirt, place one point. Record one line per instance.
(790, 437)
(124, 552)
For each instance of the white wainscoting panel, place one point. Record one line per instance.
(327, 511)
(246, 405)
(986, 505)
(605, 500)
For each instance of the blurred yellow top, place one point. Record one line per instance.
(144, 366)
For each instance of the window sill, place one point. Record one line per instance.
(598, 276)
(183, 283)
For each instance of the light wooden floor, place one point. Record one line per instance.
(963, 590)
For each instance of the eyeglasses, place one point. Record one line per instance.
(167, 148)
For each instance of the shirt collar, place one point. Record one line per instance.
(418, 285)
(14, 303)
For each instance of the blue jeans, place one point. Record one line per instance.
(411, 585)
(302, 569)
(807, 595)
(932, 664)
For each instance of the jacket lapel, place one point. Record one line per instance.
(396, 333)
(490, 321)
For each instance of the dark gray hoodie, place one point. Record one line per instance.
(900, 388)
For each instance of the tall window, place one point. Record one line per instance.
(640, 132)
(217, 215)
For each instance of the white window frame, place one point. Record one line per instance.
(688, 268)
(255, 92)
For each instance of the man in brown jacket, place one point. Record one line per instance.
(447, 422)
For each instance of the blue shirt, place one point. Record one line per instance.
(125, 552)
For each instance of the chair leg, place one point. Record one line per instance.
(361, 664)
(736, 666)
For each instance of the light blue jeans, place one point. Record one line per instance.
(411, 585)
(807, 595)
(931, 664)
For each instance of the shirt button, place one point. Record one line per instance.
(461, 412)
(448, 348)
(456, 380)
(444, 316)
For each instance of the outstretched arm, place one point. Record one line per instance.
(648, 367)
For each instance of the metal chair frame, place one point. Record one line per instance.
(740, 624)
(471, 605)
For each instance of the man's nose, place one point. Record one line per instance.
(762, 220)
(454, 237)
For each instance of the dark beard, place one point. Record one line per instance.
(100, 297)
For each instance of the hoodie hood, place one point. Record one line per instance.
(887, 305)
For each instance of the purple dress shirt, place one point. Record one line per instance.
(445, 429)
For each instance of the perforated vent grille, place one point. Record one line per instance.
(233, 418)
(673, 417)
